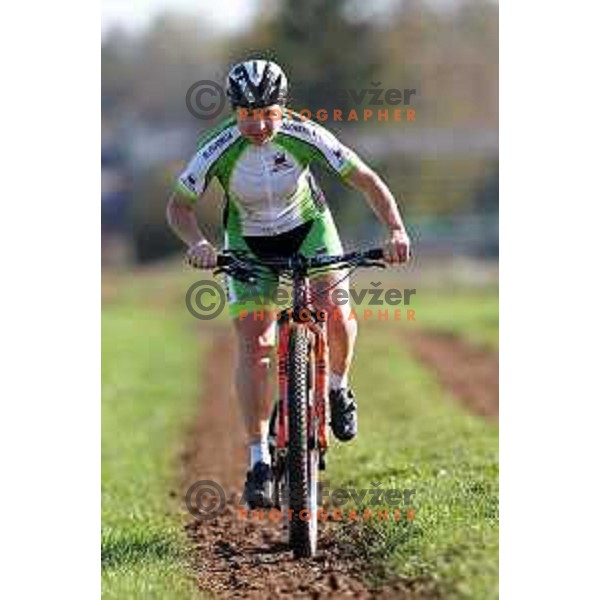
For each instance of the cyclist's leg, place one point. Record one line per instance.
(255, 374)
(341, 331)
(254, 383)
(255, 332)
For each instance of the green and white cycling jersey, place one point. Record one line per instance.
(269, 188)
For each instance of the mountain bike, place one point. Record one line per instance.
(299, 436)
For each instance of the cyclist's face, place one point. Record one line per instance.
(259, 125)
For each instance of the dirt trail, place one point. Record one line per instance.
(470, 373)
(244, 558)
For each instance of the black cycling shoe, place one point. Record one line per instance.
(258, 491)
(344, 423)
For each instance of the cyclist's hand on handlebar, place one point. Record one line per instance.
(202, 255)
(396, 249)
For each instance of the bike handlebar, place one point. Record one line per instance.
(301, 262)
(244, 268)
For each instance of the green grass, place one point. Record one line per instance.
(414, 436)
(470, 314)
(149, 394)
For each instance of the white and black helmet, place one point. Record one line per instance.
(256, 84)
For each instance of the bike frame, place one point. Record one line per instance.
(315, 423)
(318, 408)
(300, 267)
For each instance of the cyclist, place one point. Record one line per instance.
(274, 208)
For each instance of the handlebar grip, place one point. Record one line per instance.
(223, 260)
(374, 254)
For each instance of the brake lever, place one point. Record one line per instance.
(237, 272)
(372, 263)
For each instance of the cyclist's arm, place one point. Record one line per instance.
(363, 178)
(378, 194)
(348, 165)
(181, 217)
(182, 220)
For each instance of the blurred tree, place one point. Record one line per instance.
(449, 54)
(148, 75)
(321, 49)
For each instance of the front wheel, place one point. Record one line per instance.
(303, 460)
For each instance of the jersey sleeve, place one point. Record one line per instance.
(322, 145)
(199, 171)
(332, 153)
(193, 180)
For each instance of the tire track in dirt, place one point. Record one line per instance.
(469, 372)
(243, 558)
